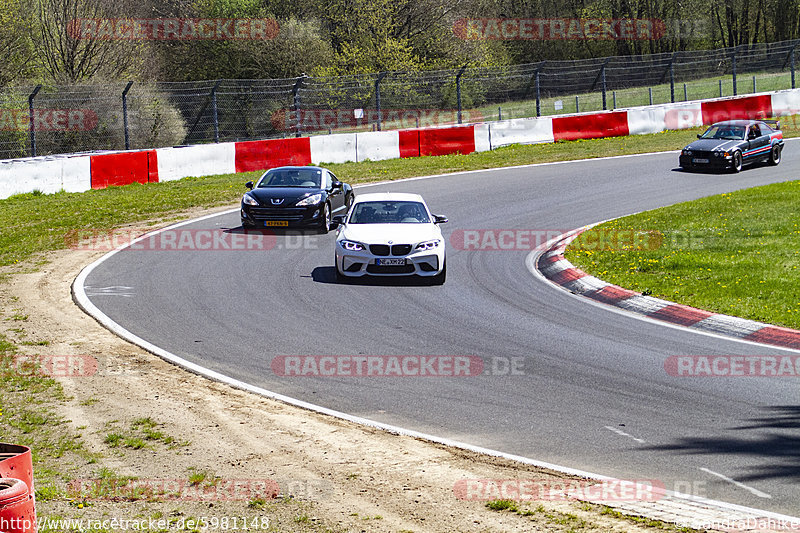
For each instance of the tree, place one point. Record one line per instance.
(15, 46)
(67, 55)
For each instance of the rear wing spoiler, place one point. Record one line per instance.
(772, 121)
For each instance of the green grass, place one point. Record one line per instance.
(733, 253)
(502, 505)
(143, 432)
(114, 439)
(206, 477)
(26, 232)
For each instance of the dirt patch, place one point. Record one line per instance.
(142, 417)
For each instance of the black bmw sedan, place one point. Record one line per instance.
(733, 143)
(297, 197)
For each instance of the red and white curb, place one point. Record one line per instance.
(559, 271)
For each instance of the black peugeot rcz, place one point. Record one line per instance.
(296, 197)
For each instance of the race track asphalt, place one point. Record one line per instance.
(592, 392)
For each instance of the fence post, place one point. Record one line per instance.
(672, 78)
(31, 126)
(378, 96)
(793, 47)
(214, 110)
(603, 81)
(458, 90)
(296, 103)
(538, 88)
(733, 71)
(650, 93)
(613, 99)
(125, 114)
(577, 105)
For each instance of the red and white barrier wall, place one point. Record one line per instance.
(83, 172)
(46, 174)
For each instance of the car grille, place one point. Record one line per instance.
(702, 154)
(267, 213)
(383, 269)
(384, 249)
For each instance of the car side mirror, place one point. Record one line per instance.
(337, 221)
(439, 219)
(249, 185)
(699, 135)
(336, 184)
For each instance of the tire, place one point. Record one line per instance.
(247, 225)
(440, 278)
(325, 225)
(737, 162)
(348, 202)
(774, 155)
(340, 278)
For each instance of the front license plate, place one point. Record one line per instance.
(390, 262)
(699, 160)
(283, 223)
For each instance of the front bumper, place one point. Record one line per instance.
(363, 263)
(713, 162)
(292, 217)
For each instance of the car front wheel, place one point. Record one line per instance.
(775, 155)
(325, 225)
(737, 162)
(340, 278)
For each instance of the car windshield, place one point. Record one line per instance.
(727, 132)
(389, 213)
(292, 177)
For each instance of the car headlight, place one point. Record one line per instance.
(428, 245)
(687, 152)
(352, 246)
(249, 200)
(310, 200)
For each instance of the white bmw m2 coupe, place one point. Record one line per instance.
(390, 234)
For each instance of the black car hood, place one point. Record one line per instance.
(289, 194)
(710, 145)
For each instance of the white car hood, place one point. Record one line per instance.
(397, 233)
